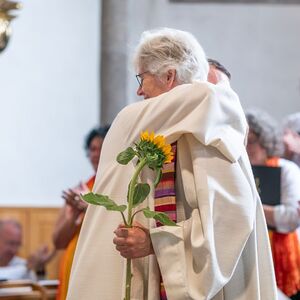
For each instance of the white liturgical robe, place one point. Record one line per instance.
(220, 250)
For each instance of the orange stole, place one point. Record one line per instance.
(286, 254)
(67, 258)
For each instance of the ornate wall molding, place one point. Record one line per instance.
(5, 18)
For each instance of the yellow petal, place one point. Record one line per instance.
(170, 157)
(159, 141)
(167, 149)
(151, 137)
(144, 135)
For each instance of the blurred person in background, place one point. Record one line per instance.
(264, 149)
(13, 267)
(217, 72)
(69, 222)
(291, 137)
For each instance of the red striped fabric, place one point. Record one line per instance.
(165, 200)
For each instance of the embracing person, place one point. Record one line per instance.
(220, 248)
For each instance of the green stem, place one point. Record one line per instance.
(128, 279)
(132, 185)
(135, 214)
(124, 220)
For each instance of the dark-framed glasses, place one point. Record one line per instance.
(139, 78)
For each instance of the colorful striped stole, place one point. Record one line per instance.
(165, 199)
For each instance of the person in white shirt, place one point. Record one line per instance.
(13, 267)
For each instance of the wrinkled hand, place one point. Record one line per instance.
(40, 258)
(133, 242)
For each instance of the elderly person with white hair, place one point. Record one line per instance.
(264, 148)
(219, 248)
(291, 137)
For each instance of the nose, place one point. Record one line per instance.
(140, 91)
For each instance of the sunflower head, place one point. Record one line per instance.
(155, 149)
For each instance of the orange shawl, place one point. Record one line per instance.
(286, 254)
(67, 258)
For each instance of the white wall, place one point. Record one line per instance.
(49, 100)
(258, 43)
(49, 79)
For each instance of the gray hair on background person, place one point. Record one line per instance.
(163, 49)
(266, 129)
(292, 122)
(291, 137)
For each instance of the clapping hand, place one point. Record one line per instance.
(73, 199)
(40, 258)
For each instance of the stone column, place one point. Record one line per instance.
(113, 58)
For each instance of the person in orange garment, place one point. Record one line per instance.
(264, 148)
(69, 222)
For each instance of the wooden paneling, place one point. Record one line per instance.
(37, 224)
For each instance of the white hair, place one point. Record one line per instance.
(292, 122)
(164, 49)
(267, 131)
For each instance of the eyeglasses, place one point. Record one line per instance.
(140, 79)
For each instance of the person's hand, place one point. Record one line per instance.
(73, 200)
(40, 258)
(133, 242)
(291, 141)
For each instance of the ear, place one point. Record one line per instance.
(171, 78)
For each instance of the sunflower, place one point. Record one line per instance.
(156, 144)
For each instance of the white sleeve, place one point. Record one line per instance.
(286, 215)
(13, 272)
(17, 269)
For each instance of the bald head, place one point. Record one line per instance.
(10, 240)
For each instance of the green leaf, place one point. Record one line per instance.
(158, 216)
(141, 191)
(158, 177)
(125, 156)
(103, 200)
